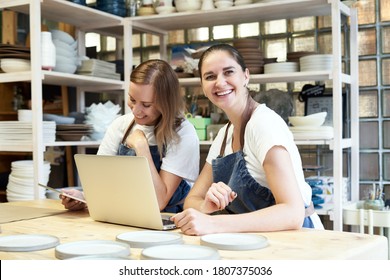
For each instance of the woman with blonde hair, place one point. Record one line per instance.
(156, 129)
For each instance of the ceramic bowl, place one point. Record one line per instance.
(314, 120)
(62, 36)
(187, 5)
(222, 4)
(165, 9)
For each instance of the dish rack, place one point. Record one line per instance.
(354, 214)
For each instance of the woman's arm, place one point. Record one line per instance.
(288, 213)
(165, 183)
(206, 196)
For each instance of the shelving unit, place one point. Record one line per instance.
(161, 24)
(87, 19)
(84, 19)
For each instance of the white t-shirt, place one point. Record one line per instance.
(181, 159)
(264, 130)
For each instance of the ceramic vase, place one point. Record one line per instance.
(48, 51)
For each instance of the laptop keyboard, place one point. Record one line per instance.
(167, 222)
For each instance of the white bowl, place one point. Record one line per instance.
(222, 4)
(61, 44)
(314, 120)
(25, 115)
(9, 65)
(187, 5)
(165, 9)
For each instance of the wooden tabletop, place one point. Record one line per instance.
(305, 244)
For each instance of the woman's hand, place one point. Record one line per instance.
(193, 222)
(137, 139)
(72, 204)
(218, 196)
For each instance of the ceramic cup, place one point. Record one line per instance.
(24, 115)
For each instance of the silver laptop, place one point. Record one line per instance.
(119, 190)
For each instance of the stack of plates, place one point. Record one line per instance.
(67, 58)
(98, 68)
(10, 65)
(281, 67)
(250, 50)
(295, 56)
(13, 51)
(73, 132)
(20, 133)
(312, 132)
(21, 180)
(316, 62)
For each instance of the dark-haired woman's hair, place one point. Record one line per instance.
(222, 47)
(168, 100)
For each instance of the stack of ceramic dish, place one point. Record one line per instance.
(67, 58)
(310, 127)
(21, 180)
(281, 67)
(98, 68)
(100, 116)
(14, 51)
(249, 48)
(316, 62)
(222, 4)
(20, 133)
(115, 7)
(10, 65)
(242, 2)
(73, 132)
(188, 5)
(295, 56)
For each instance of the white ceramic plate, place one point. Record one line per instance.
(179, 252)
(148, 238)
(92, 247)
(27, 242)
(234, 241)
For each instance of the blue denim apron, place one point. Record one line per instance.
(175, 204)
(251, 196)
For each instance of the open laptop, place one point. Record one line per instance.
(119, 190)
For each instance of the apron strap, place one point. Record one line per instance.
(223, 146)
(127, 132)
(309, 210)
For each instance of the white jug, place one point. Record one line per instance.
(48, 51)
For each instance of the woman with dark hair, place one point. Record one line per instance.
(157, 129)
(253, 169)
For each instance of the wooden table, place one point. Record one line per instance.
(305, 244)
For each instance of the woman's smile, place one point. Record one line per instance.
(223, 93)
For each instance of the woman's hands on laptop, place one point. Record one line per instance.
(72, 204)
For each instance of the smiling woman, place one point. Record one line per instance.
(253, 168)
(156, 129)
